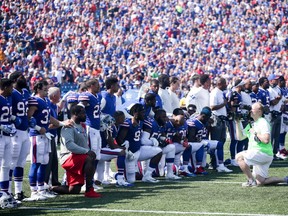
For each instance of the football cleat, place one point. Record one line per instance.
(281, 155)
(186, 173)
(20, 196)
(92, 194)
(47, 194)
(222, 168)
(123, 183)
(7, 201)
(200, 171)
(172, 177)
(149, 179)
(35, 196)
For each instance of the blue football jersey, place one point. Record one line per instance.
(200, 129)
(103, 134)
(172, 131)
(93, 111)
(133, 135)
(159, 102)
(5, 110)
(264, 97)
(110, 105)
(42, 114)
(147, 109)
(255, 97)
(155, 130)
(20, 107)
(72, 97)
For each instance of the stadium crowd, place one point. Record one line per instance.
(185, 52)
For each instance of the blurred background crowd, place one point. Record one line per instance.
(70, 41)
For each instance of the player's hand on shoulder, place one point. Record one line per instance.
(68, 123)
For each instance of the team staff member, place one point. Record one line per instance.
(76, 158)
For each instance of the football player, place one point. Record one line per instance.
(91, 99)
(108, 106)
(130, 133)
(197, 135)
(7, 129)
(176, 129)
(154, 135)
(40, 118)
(20, 142)
(110, 149)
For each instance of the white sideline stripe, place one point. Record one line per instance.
(144, 211)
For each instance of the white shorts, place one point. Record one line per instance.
(260, 162)
(20, 148)
(94, 141)
(5, 152)
(40, 149)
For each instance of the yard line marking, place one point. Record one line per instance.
(145, 211)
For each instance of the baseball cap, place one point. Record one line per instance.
(239, 82)
(272, 77)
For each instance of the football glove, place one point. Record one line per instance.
(8, 129)
(32, 122)
(49, 135)
(16, 120)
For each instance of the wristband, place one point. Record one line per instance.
(61, 124)
(13, 118)
(38, 128)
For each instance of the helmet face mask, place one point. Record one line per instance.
(106, 121)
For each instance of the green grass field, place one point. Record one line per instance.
(214, 194)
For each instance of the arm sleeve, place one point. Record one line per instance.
(67, 135)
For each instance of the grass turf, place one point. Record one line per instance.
(216, 193)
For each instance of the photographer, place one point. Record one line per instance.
(259, 153)
(234, 106)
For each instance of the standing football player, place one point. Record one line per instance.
(108, 106)
(39, 111)
(7, 129)
(91, 99)
(20, 142)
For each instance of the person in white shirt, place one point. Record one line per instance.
(119, 99)
(190, 98)
(174, 87)
(218, 106)
(275, 110)
(164, 84)
(202, 97)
